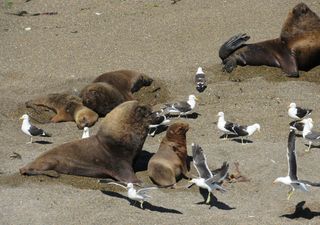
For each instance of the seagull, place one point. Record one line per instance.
(206, 179)
(158, 121)
(225, 126)
(297, 125)
(298, 113)
(85, 133)
(200, 80)
(311, 136)
(31, 130)
(292, 179)
(181, 107)
(246, 131)
(133, 194)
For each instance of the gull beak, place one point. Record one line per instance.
(197, 99)
(21, 118)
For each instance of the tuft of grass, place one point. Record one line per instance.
(8, 4)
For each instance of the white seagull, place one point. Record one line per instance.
(133, 194)
(200, 80)
(85, 133)
(311, 136)
(297, 112)
(31, 130)
(292, 178)
(206, 179)
(225, 126)
(181, 107)
(246, 131)
(158, 121)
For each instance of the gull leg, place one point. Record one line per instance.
(307, 150)
(208, 198)
(141, 204)
(241, 140)
(290, 194)
(30, 140)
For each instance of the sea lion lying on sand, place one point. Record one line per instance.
(170, 161)
(109, 153)
(67, 108)
(297, 48)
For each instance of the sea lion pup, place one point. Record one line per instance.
(102, 97)
(169, 163)
(128, 81)
(67, 108)
(109, 153)
(297, 48)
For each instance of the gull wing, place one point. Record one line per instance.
(220, 174)
(35, 131)
(291, 156)
(314, 184)
(182, 106)
(200, 162)
(303, 112)
(230, 126)
(145, 190)
(115, 183)
(240, 130)
(313, 135)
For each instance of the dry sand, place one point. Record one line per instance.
(66, 51)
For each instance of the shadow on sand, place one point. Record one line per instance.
(301, 212)
(213, 201)
(146, 205)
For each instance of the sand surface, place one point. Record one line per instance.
(168, 42)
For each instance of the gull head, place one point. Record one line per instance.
(292, 105)
(23, 117)
(220, 114)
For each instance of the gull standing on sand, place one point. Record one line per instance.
(297, 112)
(133, 194)
(200, 80)
(31, 130)
(292, 178)
(206, 179)
(246, 131)
(182, 107)
(158, 121)
(311, 136)
(85, 133)
(225, 126)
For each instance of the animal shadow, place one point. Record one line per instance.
(146, 205)
(301, 212)
(312, 146)
(245, 141)
(43, 142)
(141, 161)
(230, 136)
(213, 201)
(193, 115)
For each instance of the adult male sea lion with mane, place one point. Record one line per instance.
(67, 108)
(109, 153)
(169, 163)
(297, 48)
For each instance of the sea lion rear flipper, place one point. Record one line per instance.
(232, 44)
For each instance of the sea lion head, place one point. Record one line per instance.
(143, 80)
(85, 117)
(127, 124)
(177, 131)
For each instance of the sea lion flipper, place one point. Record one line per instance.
(232, 44)
(289, 65)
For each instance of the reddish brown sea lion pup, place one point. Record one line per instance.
(109, 153)
(125, 80)
(170, 161)
(297, 48)
(102, 97)
(67, 108)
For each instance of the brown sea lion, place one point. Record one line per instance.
(109, 153)
(102, 97)
(67, 108)
(169, 163)
(297, 48)
(125, 80)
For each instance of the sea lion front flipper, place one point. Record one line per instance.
(289, 65)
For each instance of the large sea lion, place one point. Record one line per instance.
(67, 108)
(125, 80)
(297, 48)
(102, 97)
(169, 163)
(109, 153)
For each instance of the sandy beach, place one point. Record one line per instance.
(168, 42)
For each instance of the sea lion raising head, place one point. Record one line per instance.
(109, 153)
(169, 163)
(297, 48)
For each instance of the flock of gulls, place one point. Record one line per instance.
(207, 179)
